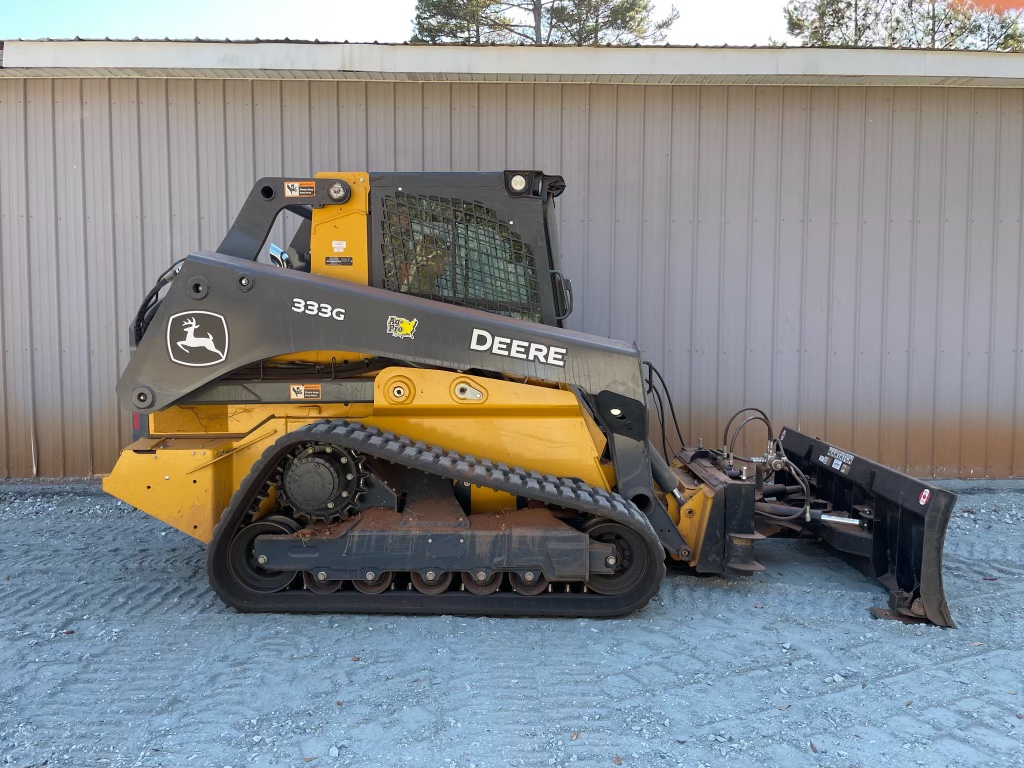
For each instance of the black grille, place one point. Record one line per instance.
(458, 252)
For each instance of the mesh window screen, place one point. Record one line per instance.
(458, 252)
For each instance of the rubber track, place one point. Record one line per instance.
(560, 491)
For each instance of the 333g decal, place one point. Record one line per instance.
(318, 309)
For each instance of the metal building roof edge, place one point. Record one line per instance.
(402, 61)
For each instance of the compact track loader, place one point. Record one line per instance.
(389, 417)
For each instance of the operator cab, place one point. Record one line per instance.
(483, 240)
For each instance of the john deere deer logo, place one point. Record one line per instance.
(197, 339)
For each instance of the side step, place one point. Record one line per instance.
(896, 523)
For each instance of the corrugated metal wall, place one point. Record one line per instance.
(847, 258)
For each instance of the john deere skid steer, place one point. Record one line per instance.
(389, 417)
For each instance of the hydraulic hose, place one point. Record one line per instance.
(767, 421)
(668, 397)
(800, 477)
(736, 434)
(777, 511)
(663, 474)
(150, 304)
(781, 511)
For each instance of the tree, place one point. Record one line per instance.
(960, 24)
(460, 21)
(618, 22)
(834, 22)
(540, 22)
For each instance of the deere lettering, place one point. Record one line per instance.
(523, 350)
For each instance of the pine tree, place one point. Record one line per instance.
(540, 22)
(459, 21)
(618, 22)
(954, 24)
(834, 22)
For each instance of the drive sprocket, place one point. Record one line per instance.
(321, 483)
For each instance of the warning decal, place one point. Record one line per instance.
(304, 392)
(299, 188)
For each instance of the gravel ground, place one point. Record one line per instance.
(115, 653)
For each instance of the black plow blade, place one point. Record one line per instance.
(894, 523)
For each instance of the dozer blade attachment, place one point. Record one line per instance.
(893, 521)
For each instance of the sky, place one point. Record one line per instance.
(701, 22)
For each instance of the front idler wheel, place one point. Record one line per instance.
(242, 559)
(631, 559)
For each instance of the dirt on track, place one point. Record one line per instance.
(114, 652)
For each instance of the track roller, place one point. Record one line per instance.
(528, 582)
(431, 582)
(480, 584)
(374, 584)
(319, 584)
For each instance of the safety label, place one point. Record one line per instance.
(299, 188)
(304, 392)
(837, 460)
